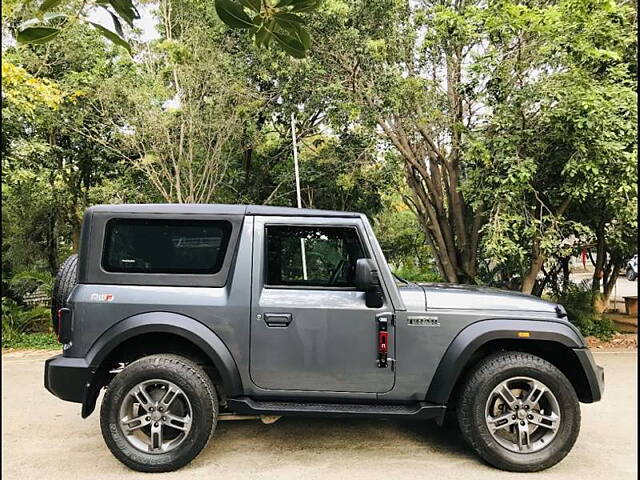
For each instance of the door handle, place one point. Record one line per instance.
(281, 320)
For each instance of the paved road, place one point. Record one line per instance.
(45, 438)
(623, 288)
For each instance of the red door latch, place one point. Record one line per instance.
(383, 340)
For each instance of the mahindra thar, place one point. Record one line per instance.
(185, 314)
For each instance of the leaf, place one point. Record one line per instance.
(116, 24)
(265, 33)
(262, 36)
(126, 10)
(233, 14)
(48, 17)
(49, 4)
(291, 45)
(290, 17)
(252, 4)
(305, 5)
(289, 23)
(112, 37)
(304, 37)
(37, 34)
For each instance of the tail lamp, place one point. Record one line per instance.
(64, 325)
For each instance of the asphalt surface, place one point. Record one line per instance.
(45, 438)
(623, 288)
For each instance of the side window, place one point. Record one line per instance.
(312, 256)
(165, 246)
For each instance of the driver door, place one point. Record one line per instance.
(310, 327)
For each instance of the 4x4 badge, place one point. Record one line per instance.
(423, 321)
(101, 297)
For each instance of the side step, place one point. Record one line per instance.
(421, 410)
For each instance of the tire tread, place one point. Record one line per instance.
(484, 372)
(181, 366)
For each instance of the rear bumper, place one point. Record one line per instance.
(67, 378)
(593, 372)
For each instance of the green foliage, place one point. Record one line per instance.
(579, 301)
(541, 123)
(270, 23)
(414, 273)
(26, 92)
(28, 281)
(60, 152)
(17, 322)
(37, 341)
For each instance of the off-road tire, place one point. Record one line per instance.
(66, 278)
(471, 410)
(631, 275)
(202, 395)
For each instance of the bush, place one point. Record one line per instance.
(413, 273)
(579, 300)
(28, 281)
(41, 341)
(19, 321)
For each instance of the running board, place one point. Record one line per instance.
(421, 410)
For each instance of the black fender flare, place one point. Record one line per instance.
(474, 336)
(161, 322)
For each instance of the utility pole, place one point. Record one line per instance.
(297, 174)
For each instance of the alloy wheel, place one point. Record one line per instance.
(155, 416)
(522, 414)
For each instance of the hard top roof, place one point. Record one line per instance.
(218, 209)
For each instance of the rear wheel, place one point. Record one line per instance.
(519, 412)
(159, 413)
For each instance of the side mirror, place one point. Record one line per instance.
(366, 279)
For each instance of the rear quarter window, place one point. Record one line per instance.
(165, 246)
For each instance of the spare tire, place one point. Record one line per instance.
(64, 283)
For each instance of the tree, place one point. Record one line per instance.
(269, 23)
(52, 162)
(480, 102)
(565, 137)
(184, 119)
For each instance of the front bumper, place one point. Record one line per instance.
(594, 374)
(67, 378)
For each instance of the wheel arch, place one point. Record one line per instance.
(552, 341)
(159, 332)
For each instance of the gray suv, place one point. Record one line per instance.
(187, 313)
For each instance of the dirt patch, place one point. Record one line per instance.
(29, 353)
(619, 342)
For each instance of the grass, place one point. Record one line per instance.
(37, 341)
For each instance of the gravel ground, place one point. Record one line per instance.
(619, 342)
(45, 438)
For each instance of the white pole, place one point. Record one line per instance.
(297, 173)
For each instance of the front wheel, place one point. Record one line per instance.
(519, 412)
(159, 413)
(631, 275)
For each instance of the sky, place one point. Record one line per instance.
(146, 22)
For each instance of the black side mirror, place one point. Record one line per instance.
(366, 279)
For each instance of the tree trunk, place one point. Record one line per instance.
(529, 280)
(600, 259)
(612, 272)
(52, 246)
(75, 238)
(565, 271)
